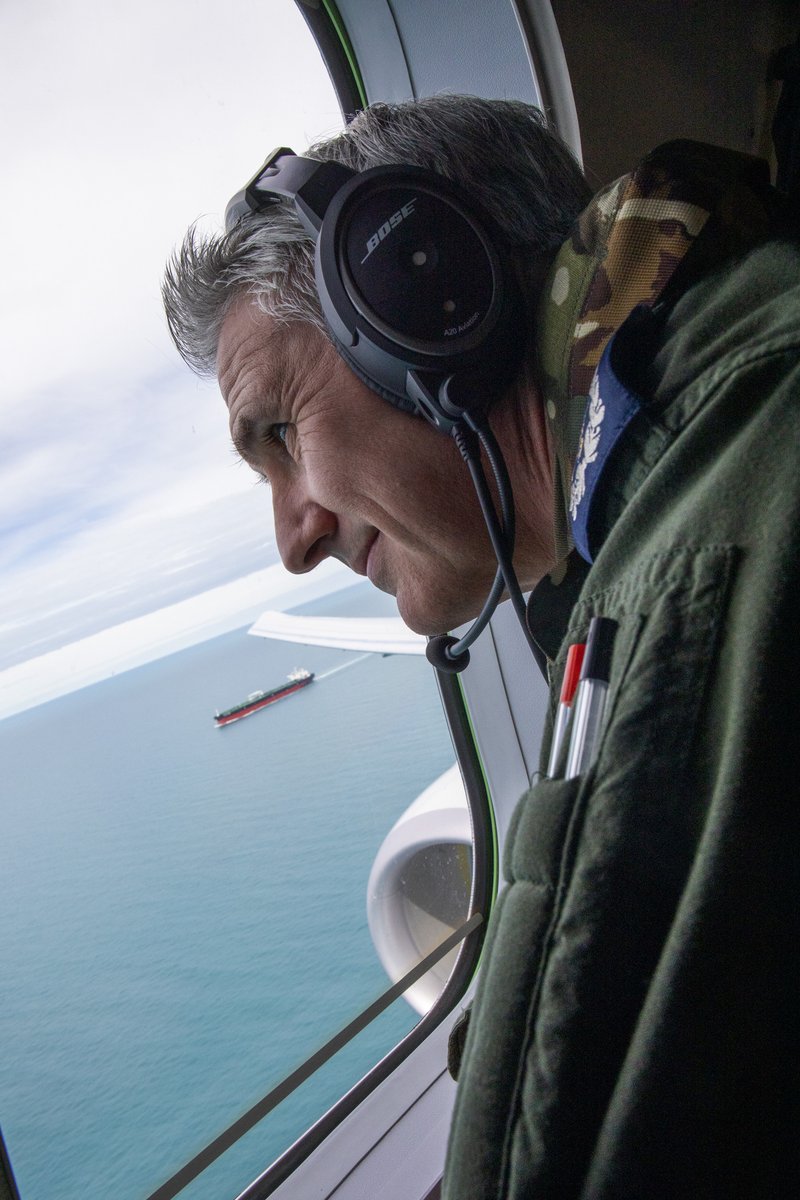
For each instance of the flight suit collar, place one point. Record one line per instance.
(630, 254)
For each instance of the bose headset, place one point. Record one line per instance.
(423, 307)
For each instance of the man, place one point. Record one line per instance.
(346, 433)
(631, 1034)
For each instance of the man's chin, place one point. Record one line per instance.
(427, 620)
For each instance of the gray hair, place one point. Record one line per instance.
(500, 151)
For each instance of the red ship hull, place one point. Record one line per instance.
(246, 710)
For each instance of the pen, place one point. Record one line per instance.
(590, 700)
(568, 685)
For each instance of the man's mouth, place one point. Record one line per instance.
(370, 564)
(360, 564)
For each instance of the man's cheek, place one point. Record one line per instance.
(325, 476)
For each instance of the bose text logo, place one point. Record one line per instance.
(388, 226)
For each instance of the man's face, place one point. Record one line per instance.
(351, 476)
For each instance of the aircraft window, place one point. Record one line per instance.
(190, 911)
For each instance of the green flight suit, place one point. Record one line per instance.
(634, 1032)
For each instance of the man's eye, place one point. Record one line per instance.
(275, 433)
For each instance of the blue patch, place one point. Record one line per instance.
(610, 409)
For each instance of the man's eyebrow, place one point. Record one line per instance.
(244, 435)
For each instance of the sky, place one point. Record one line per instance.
(122, 124)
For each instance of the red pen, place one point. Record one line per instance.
(591, 697)
(569, 685)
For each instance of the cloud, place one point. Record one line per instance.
(155, 634)
(77, 495)
(109, 571)
(134, 125)
(118, 488)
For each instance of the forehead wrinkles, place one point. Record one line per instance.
(253, 364)
(307, 367)
(252, 352)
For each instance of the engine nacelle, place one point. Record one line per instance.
(419, 886)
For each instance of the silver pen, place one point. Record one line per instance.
(569, 683)
(590, 699)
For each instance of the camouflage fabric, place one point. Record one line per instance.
(622, 252)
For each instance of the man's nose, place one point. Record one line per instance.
(303, 530)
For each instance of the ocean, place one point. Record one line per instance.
(184, 907)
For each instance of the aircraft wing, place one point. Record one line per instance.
(383, 635)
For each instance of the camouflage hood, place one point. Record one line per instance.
(624, 250)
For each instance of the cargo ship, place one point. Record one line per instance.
(256, 700)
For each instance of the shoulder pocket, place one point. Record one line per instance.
(670, 621)
(669, 616)
(535, 840)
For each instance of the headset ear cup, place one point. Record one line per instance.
(455, 314)
(459, 394)
(401, 402)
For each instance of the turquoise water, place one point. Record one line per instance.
(184, 911)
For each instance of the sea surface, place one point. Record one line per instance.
(184, 907)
